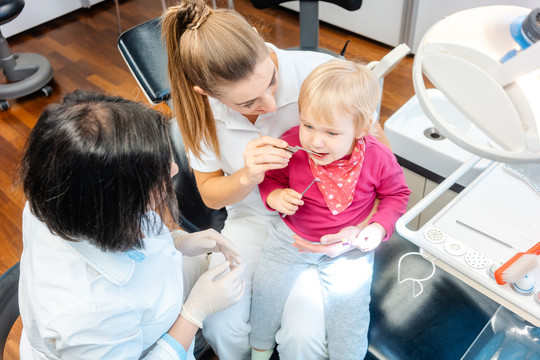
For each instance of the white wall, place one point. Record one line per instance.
(380, 20)
(396, 21)
(36, 12)
(428, 12)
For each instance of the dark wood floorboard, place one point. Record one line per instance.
(82, 49)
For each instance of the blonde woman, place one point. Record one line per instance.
(233, 97)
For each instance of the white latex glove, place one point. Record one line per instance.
(215, 290)
(206, 241)
(370, 237)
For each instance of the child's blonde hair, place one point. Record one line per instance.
(341, 85)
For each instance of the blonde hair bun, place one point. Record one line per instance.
(191, 14)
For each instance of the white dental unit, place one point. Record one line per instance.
(484, 76)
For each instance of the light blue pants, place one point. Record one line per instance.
(228, 331)
(345, 285)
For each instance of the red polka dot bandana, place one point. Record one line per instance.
(339, 178)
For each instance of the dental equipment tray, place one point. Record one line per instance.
(496, 216)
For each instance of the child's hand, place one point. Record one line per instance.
(369, 238)
(286, 201)
(329, 249)
(344, 236)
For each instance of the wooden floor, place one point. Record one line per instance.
(82, 49)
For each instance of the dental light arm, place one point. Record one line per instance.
(381, 68)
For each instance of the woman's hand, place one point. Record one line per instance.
(286, 201)
(216, 290)
(262, 154)
(203, 242)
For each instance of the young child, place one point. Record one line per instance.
(336, 103)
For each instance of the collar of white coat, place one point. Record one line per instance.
(118, 267)
(286, 93)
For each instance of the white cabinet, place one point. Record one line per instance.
(420, 187)
(36, 12)
(381, 20)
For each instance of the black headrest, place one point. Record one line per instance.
(145, 54)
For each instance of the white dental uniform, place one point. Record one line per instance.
(78, 302)
(302, 334)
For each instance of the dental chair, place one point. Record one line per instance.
(25, 73)
(440, 323)
(146, 57)
(309, 20)
(9, 303)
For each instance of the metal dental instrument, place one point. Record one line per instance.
(306, 189)
(311, 183)
(293, 149)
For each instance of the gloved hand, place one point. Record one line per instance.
(370, 237)
(203, 242)
(215, 290)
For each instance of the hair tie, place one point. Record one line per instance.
(204, 16)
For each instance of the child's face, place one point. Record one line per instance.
(334, 141)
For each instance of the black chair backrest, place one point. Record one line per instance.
(194, 214)
(146, 57)
(9, 303)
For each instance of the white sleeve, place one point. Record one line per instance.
(208, 162)
(105, 329)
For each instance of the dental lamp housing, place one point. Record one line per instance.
(475, 61)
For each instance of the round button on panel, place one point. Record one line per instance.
(525, 285)
(491, 270)
(476, 260)
(434, 235)
(455, 247)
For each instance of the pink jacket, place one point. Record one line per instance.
(381, 178)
